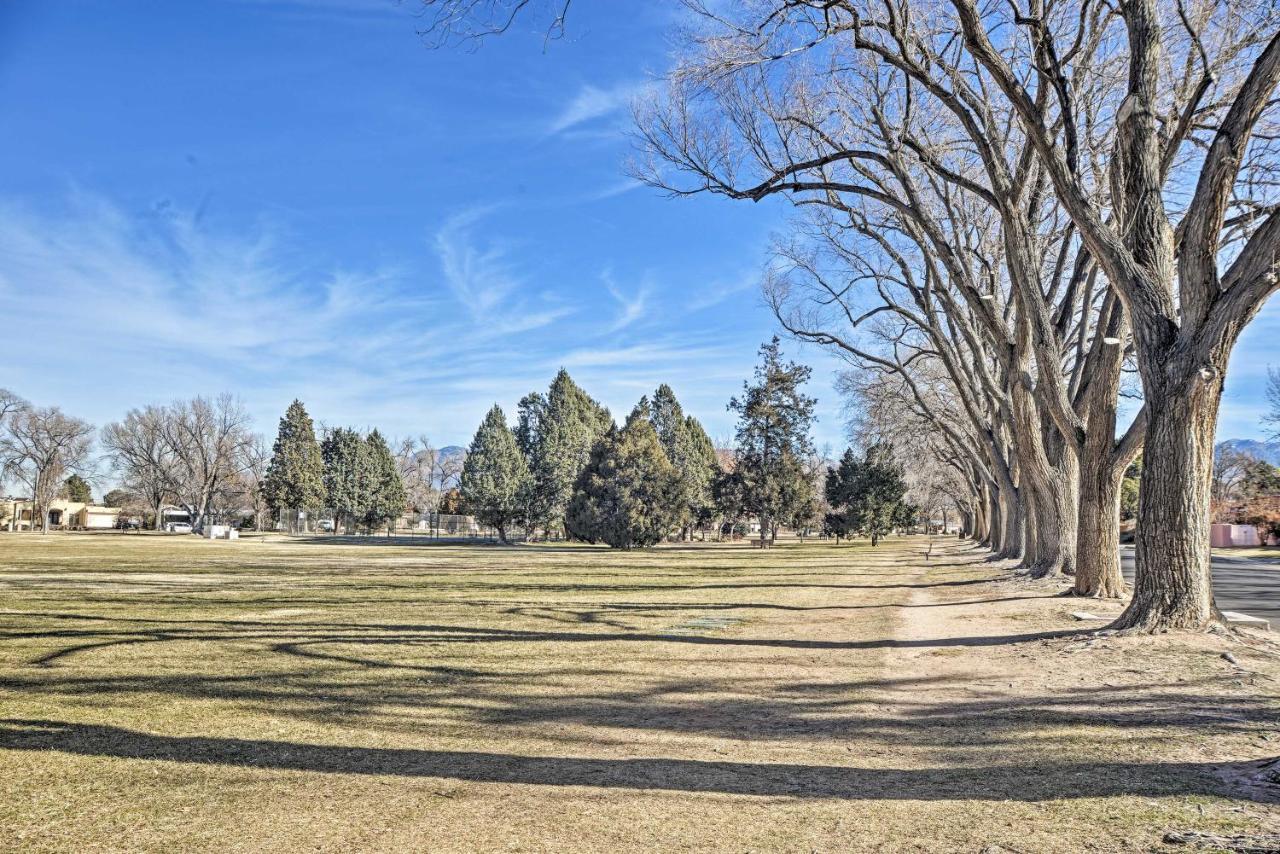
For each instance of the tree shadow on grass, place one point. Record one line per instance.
(1020, 782)
(308, 639)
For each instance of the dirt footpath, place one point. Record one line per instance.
(1023, 732)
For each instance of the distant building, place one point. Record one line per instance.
(16, 514)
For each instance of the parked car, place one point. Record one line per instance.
(325, 525)
(178, 528)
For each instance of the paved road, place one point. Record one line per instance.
(1239, 584)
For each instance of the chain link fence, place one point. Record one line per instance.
(438, 526)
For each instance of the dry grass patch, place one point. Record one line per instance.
(175, 694)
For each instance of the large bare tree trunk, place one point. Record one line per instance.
(1050, 541)
(995, 525)
(1058, 527)
(1173, 587)
(1102, 466)
(1098, 537)
(977, 525)
(1050, 524)
(1013, 525)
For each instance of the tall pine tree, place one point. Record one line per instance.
(346, 476)
(774, 418)
(495, 476)
(295, 475)
(705, 507)
(839, 486)
(627, 494)
(386, 495)
(686, 446)
(76, 488)
(557, 432)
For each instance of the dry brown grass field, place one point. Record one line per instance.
(172, 694)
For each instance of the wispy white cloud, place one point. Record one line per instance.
(613, 190)
(481, 278)
(484, 279)
(649, 356)
(107, 309)
(718, 292)
(591, 103)
(163, 283)
(631, 307)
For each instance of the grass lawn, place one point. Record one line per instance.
(1267, 553)
(168, 693)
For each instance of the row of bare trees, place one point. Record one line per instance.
(1000, 209)
(199, 454)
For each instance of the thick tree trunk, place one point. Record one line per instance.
(1052, 518)
(1173, 587)
(976, 521)
(1030, 521)
(1013, 526)
(1046, 475)
(1102, 468)
(1098, 538)
(986, 524)
(995, 527)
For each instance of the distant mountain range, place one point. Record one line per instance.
(1267, 451)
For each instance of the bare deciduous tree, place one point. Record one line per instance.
(209, 441)
(40, 447)
(1190, 283)
(418, 460)
(470, 20)
(140, 453)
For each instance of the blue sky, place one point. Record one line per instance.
(298, 198)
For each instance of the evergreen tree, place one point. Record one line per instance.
(905, 515)
(495, 476)
(704, 505)
(774, 418)
(840, 480)
(729, 501)
(869, 493)
(346, 476)
(557, 432)
(626, 495)
(689, 450)
(121, 498)
(386, 495)
(529, 414)
(295, 475)
(76, 488)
